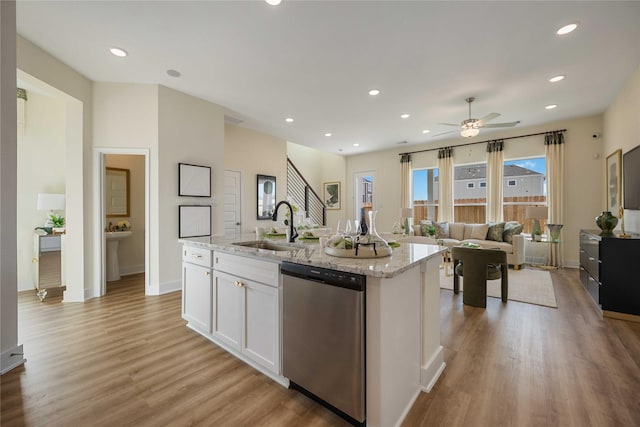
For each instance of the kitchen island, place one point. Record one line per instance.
(232, 295)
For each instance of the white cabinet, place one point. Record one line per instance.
(247, 318)
(234, 301)
(197, 289)
(247, 294)
(228, 315)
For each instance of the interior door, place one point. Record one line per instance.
(232, 197)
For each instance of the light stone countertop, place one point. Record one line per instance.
(402, 259)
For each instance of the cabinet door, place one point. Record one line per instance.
(197, 302)
(261, 339)
(228, 312)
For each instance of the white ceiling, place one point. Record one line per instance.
(315, 61)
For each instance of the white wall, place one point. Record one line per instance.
(252, 153)
(319, 167)
(190, 130)
(125, 116)
(131, 250)
(620, 132)
(63, 82)
(583, 174)
(41, 169)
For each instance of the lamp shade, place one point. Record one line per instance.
(406, 212)
(537, 212)
(50, 202)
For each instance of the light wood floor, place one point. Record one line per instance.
(128, 360)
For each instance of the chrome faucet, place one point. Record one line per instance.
(293, 233)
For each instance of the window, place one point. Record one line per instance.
(425, 194)
(483, 184)
(469, 200)
(526, 185)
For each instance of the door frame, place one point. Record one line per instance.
(356, 191)
(99, 249)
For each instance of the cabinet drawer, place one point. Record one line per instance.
(590, 245)
(589, 263)
(253, 269)
(591, 285)
(198, 256)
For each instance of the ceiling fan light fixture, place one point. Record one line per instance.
(469, 132)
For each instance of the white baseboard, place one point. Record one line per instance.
(432, 370)
(11, 359)
(165, 288)
(126, 270)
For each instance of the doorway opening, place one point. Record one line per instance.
(364, 193)
(122, 217)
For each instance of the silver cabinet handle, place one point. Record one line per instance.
(207, 273)
(238, 283)
(591, 258)
(196, 256)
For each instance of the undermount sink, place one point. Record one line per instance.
(113, 263)
(264, 244)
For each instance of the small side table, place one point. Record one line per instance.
(548, 244)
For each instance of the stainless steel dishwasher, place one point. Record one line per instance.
(324, 337)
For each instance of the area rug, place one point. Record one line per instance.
(525, 285)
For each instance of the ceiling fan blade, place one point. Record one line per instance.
(501, 125)
(488, 117)
(449, 124)
(444, 133)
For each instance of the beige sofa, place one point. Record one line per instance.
(459, 233)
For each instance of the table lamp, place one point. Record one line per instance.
(536, 213)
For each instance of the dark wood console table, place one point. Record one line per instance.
(610, 272)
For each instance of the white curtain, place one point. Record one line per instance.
(405, 191)
(495, 168)
(445, 188)
(554, 150)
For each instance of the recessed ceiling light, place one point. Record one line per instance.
(556, 78)
(273, 2)
(426, 131)
(288, 120)
(356, 145)
(566, 29)
(328, 134)
(118, 52)
(551, 107)
(374, 92)
(405, 116)
(174, 73)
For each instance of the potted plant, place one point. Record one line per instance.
(432, 230)
(537, 235)
(57, 222)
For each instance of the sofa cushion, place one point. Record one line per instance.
(475, 231)
(510, 229)
(495, 231)
(456, 230)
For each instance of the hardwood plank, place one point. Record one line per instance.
(129, 360)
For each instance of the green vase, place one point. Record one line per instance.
(607, 222)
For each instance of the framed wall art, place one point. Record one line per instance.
(614, 181)
(194, 221)
(194, 180)
(331, 195)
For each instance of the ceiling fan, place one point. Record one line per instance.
(471, 127)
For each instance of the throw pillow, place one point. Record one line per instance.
(456, 230)
(510, 230)
(495, 231)
(424, 226)
(443, 230)
(479, 231)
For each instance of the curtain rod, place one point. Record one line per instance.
(483, 142)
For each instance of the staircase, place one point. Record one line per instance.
(302, 195)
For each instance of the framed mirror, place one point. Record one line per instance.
(266, 196)
(117, 192)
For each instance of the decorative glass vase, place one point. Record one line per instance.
(369, 245)
(554, 231)
(607, 222)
